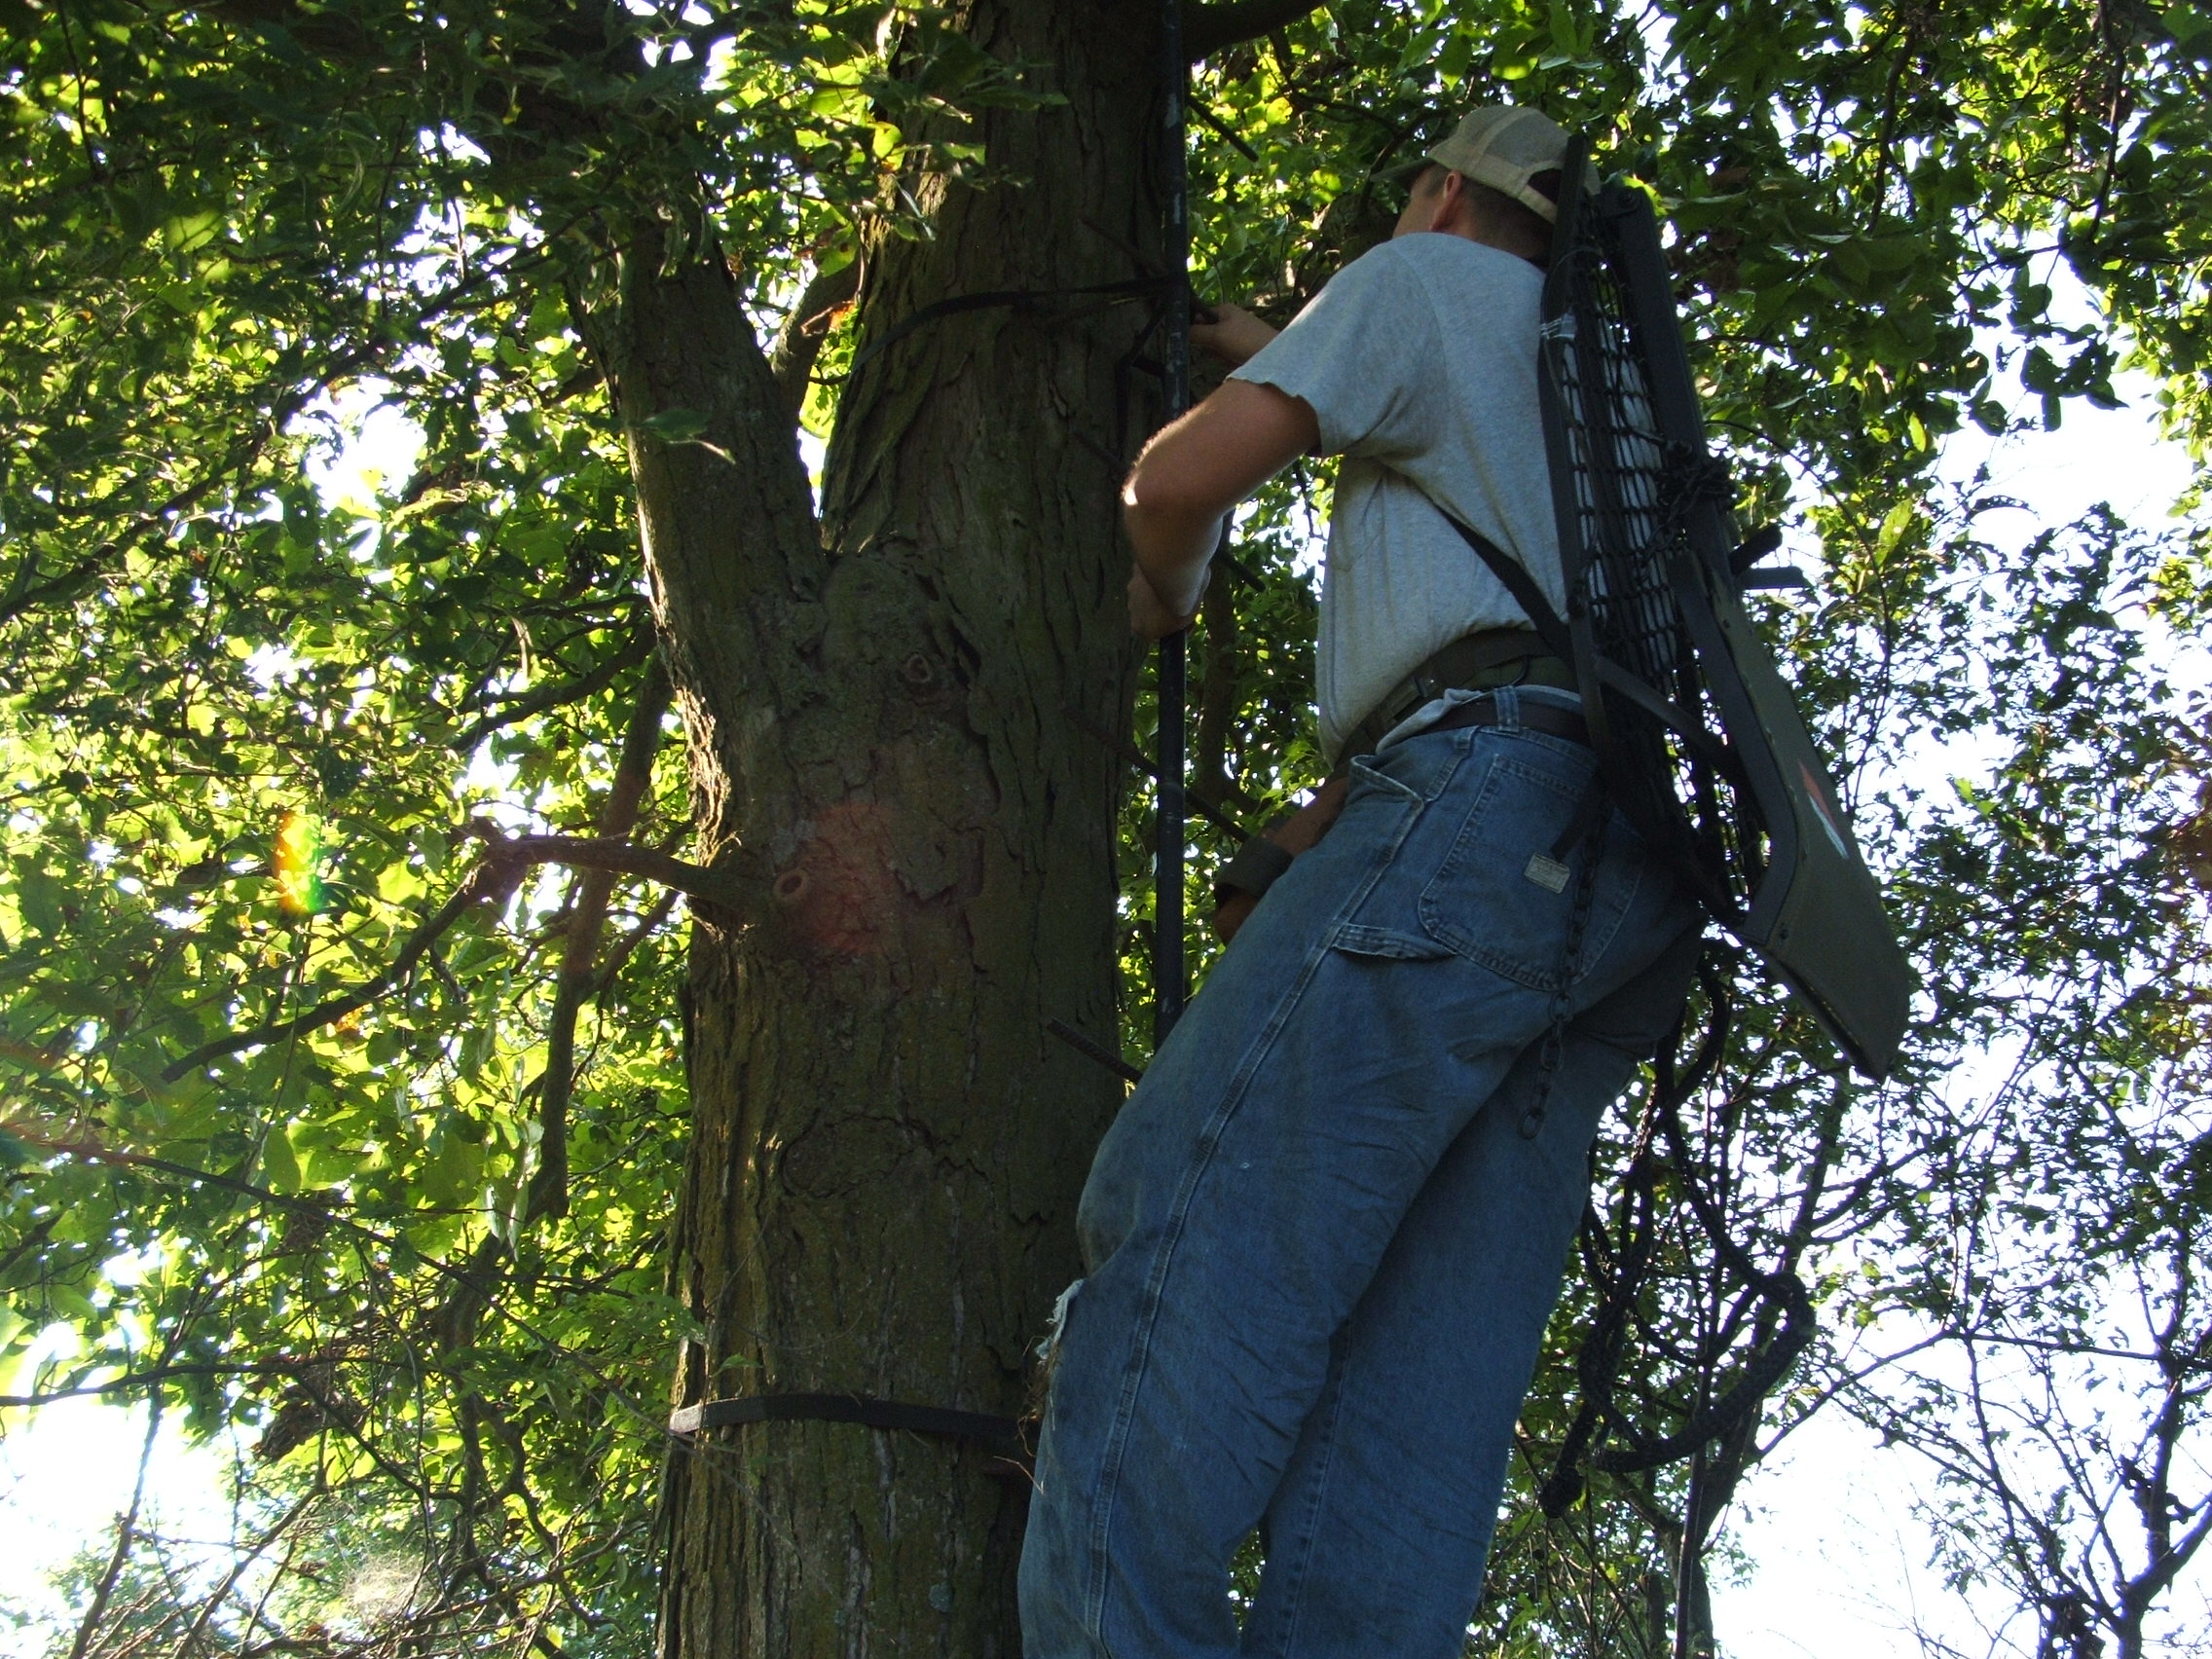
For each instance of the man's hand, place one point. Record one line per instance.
(1298, 832)
(1230, 332)
(1151, 616)
(1294, 835)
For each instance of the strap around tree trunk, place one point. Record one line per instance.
(1002, 1435)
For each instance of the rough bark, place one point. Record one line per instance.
(887, 1147)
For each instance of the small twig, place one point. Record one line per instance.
(523, 705)
(126, 1534)
(627, 945)
(1093, 1050)
(77, 85)
(1115, 463)
(140, 1379)
(1197, 108)
(1143, 762)
(496, 877)
(243, 1560)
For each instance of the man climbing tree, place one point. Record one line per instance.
(1324, 1235)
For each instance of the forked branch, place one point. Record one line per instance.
(801, 339)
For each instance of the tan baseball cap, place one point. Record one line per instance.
(1504, 146)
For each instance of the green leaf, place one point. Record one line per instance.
(186, 232)
(397, 883)
(39, 897)
(1895, 524)
(279, 1166)
(70, 1301)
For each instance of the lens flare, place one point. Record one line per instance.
(299, 864)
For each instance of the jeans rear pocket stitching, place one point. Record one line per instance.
(1357, 939)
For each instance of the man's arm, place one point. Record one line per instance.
(1191, 474)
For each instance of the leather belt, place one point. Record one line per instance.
(1473, 662)
(1537, 717)
(1260, 862)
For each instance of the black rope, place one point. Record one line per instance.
(1597, 1366)
(1768, 1363)
(997, 1434)
(1623, 1270)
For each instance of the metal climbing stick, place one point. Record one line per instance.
(1170, 972)
(1169, 984)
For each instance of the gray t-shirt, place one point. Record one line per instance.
(1420, 362)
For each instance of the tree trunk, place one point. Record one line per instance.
(887, 1146)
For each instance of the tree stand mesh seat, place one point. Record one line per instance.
(1699, 738)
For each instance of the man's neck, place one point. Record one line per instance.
(1481, 237)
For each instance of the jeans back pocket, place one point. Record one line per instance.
(1500, 898)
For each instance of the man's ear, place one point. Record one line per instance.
(1456, 209)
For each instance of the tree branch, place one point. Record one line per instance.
(791, 359)
(623, 857)
(212, 1603)
(2145, 1586)
(126, 1535)
(528, 703)
(336, 1008)
(496, 877)
(131, 1379)
(1206, 29)
(587, 921)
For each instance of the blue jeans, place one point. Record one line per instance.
(1320, 1253)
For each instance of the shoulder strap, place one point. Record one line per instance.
(1550, 626)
